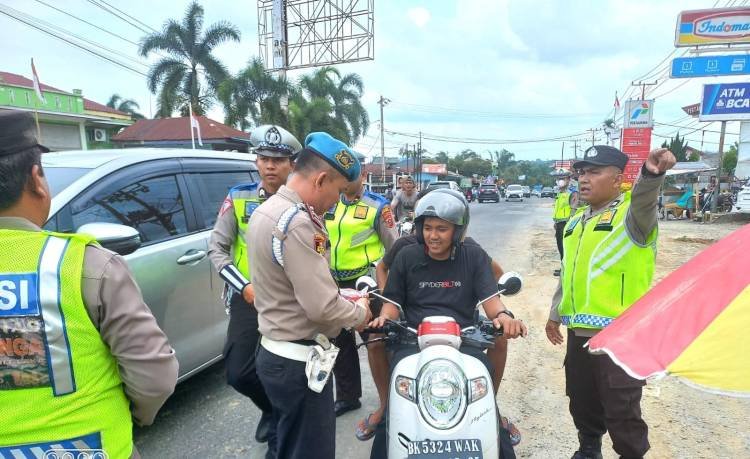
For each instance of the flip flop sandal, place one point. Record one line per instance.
(366, 431)
(515, 434)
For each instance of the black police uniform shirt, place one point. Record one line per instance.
(427, 287)
(404, 241)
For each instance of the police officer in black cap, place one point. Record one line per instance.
(608, 264)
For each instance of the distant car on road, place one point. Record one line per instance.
(514, 193)
(157, 208)
(536, 192)
(443, 184)
(526, 191)
(489, 193)
(547, 192)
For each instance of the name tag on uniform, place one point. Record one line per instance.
(571, 226)
(250, 208)
(361, 212)
(18, 295)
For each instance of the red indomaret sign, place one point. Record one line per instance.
(636, 143)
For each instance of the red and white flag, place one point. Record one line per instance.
(194, 125)
(617, 102)
(37, 85)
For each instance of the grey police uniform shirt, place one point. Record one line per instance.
(299, 299)
(113, 301)
(639, 222)
(400, 200)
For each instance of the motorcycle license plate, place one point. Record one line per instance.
(445, 449)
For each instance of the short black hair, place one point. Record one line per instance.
(15, 171)
(308, 162)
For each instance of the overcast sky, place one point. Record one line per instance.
(480, 69)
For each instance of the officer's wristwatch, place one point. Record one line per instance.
(506, 312)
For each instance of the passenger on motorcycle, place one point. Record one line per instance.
(442, 276)
(405, 199)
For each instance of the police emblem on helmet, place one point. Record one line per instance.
(591, 152)
(273, 136)
(344, 159)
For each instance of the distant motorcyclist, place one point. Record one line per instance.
(405, 199)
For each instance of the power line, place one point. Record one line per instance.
(99, 5)
(77, 45)
(439, 138)
(438, 109)
(127, 15)
(89, 23)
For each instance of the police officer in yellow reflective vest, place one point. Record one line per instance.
(565, 204)
(608, 264)
(361, 229)
(81, 355)
(275, 148)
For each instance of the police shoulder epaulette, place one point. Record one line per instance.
(373, 199)
(279, 233)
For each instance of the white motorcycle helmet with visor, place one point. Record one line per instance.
(445, 204)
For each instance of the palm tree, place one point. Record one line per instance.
(256, 94)
(344, 94)
(125, 105)
(188, 50)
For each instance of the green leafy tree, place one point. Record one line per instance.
(729, 162)
(189, 49)
(253, 97)
(125, 105)
(678, 147)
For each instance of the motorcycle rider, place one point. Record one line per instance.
(443, 276)
(405, 199)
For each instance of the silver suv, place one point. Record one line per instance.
(156, 207)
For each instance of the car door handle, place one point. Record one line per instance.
(191, 256)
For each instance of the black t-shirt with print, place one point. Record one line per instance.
(427, 287)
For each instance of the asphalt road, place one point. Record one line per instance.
(207, 418)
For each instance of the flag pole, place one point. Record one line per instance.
(192, 135)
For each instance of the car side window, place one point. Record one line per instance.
(217, 186)
(153, 206)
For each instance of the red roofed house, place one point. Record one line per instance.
(175, 133)
(67, 120)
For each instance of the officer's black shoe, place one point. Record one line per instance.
(264, 425)
(344, 406)
(556, 273)
(591, 448)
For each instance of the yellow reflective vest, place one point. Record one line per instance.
(60, 387)
(353, 235)
(245, 199)
(604, 271)
(562, 207)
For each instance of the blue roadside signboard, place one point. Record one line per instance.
(725, 102)
(703, 66)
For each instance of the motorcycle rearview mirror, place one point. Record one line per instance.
(510, 283)
(366, 283)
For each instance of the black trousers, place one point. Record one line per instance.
(380, 445)
(240, 351)
(305, 421)
(603, 398)
(559, 228)
(346, 370)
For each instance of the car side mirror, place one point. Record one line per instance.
(121, 239)
(510, 283)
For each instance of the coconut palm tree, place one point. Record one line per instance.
(344, 95)
(254, 94)
(125, 105)
(189, 73)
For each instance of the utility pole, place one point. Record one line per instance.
(382, 102)
(419, 155)
(717, 189)
(280, 50)
(643, 85)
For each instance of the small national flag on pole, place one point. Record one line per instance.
(617, 102)
(37, 85)
(194, 125)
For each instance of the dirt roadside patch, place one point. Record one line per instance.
(683, 422)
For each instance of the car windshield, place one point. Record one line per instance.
(59, 178)
(514, 187)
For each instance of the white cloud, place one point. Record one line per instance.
(420, 16)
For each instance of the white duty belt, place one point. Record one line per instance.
(286, 349)
(319, 359)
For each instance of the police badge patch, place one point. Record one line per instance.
(273, 136)
(360, 212)
(388, 216)
(319, 242)
(344, 159)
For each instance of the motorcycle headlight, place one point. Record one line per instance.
(441, 393)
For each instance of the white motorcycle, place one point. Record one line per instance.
(441, 401)
(405, 225)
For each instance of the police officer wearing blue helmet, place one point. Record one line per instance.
(298, 302)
